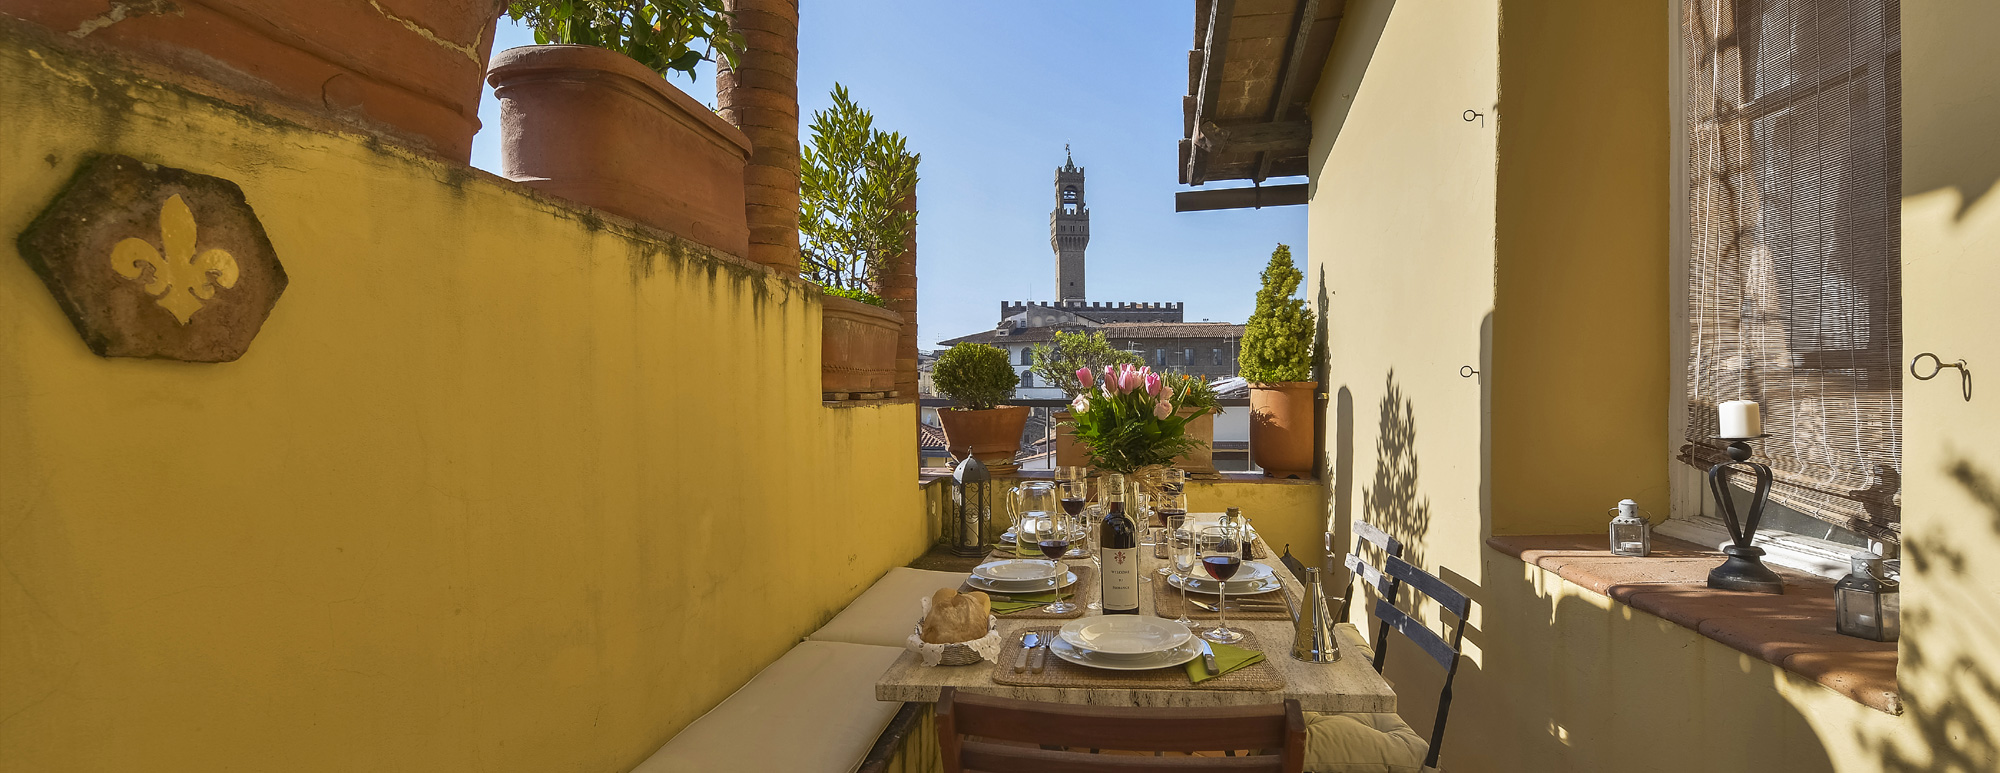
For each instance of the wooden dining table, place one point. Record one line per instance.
(1347, 685)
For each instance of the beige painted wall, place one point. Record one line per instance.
(1555, 220)
(500, 485)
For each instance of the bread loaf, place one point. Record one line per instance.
(956, 618)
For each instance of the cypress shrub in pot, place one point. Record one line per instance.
(1277, 361)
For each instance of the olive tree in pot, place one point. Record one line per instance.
(977, 378)
(855, 187)
(1277, 361)
(588, 115)
(1058, 363)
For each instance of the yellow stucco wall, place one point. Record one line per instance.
(500, 486)
(1554, 219)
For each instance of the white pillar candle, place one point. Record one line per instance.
(1740, 419)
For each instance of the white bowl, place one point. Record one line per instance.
(1017, 570)
(1125, 634)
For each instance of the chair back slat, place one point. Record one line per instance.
(997, 758)
(961, 718)
(1425, 639)
(1428, 584)
(1381, 539)
(1370, 575)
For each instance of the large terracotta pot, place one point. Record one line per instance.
(857, 346)
(1200, 460)
(409, 68)
(992, 435)
(596, 127)
(1282, 428)
(1069, 450)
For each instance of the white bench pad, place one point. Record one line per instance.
(812, 711)
(885, 614)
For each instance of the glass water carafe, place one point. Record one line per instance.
(1036, 507)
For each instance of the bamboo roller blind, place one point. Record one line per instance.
(1794, 294)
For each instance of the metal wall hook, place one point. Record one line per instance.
(1466, 371)
(1471, 115)
(1937, 366)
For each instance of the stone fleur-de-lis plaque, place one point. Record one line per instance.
(151, 261)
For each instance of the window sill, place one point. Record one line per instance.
(1793, 631)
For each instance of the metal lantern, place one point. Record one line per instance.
(971, 508)
(1867, 603)
(1631, 534)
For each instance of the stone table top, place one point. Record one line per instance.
(1348, 685)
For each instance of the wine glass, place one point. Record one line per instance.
(1074, 494)
(1184, 554)
(1054, 544)
(1142, 516)
(1220, 556)
(1173, 515)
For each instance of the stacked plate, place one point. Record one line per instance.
(1251, 577)
(1020, 575)
(1125, 643)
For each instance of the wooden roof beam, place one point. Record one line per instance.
(1214, 48)
(1281, 100)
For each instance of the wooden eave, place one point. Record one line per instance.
(1251, 75)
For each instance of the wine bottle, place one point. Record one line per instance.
(1118, 553)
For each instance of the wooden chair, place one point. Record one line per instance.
(1336, 738)
(1386, 586)
(1003, 735)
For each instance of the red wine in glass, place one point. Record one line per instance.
(1055, 548)
(1165, 514)
(1072, 506)
(1221, 567)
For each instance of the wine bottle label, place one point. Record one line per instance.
(1121, 579)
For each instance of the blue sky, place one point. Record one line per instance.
(989, 92)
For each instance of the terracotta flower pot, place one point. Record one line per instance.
(992, 435)
(857, 346)
(596, 127)
(1201, 460)
(1069, 450)
(408, 67)
(1282, 428)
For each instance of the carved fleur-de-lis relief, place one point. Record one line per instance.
(181, 278)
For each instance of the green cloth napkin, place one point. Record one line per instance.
(1227, 659)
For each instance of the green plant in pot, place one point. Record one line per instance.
(978, 378)
(1277, 361)
(1058, 363)
(855, 214)
(588, 115)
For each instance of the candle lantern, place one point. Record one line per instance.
(1867, 603)
(1744, 570)
(971, 508)
(1631, 534)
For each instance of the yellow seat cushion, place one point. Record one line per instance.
(813, 711)
(1362, 743)
(885, 614)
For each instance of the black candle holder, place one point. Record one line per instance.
(1744, 570)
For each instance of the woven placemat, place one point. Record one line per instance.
(1056, 672)
(1167, 604)
(1080, 593)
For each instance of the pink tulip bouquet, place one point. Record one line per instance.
(1125, 417)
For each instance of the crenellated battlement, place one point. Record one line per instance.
(1140, 311)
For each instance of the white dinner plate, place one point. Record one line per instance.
(1017, 570)
(1265, 585)
(1124, 636)
(1034, 586)
(1147, 662)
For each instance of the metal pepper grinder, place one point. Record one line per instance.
(1312, 628)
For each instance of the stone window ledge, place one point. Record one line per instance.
(1793, 631)
(928, 474)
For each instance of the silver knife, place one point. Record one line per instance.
(1028, 641)
(1207, 656)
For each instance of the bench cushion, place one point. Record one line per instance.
(885, 614)
(1362, 743)
(813, 711)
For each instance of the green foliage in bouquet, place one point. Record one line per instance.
(1062, 362)
(1277, 343)
(1127, 418)
(975, 376)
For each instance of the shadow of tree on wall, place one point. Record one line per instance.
(1391, 502)
(1958, 698)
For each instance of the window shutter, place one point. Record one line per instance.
(1794, 297)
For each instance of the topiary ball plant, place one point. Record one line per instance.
(976, 376)
(1277, 343)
